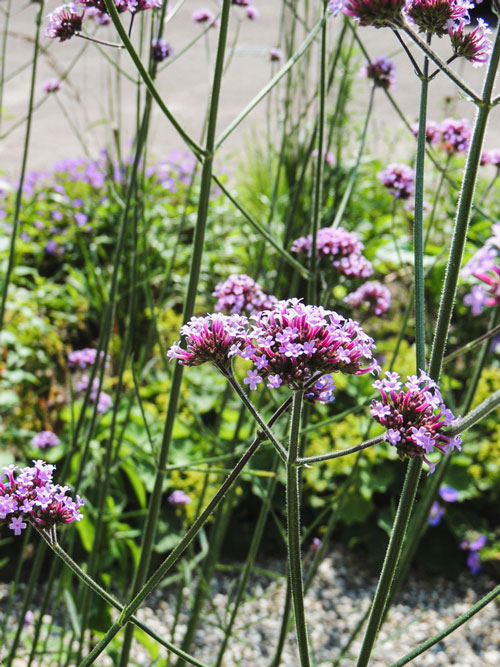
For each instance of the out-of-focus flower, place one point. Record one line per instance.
(448, 494)
(328, 156)
(64, 22)
(141, 5)
(399, 179)
(316, 544)
(51, 247)
(435, 16)
(104, 400)
(240, 294)
(204, 16)
(29, 617)
(473, 547)
(45, 439)
(435, 514)
(381, 73)
(474, 46)
(252, 13)
(415, 417)
(29, 496)
(491, 157)
(275, 53)
(52, 85)
(373, 295)
(160, 50)
(456, 135)
(101, 18)
(121, 5)
(178, 497)
(432, 132)
(343, 248)
(83, 358)
(377, 13)
(214, 338)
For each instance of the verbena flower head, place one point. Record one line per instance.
(381, 73)
(178, 497)
(377, 13)
(45, 439)
(456, 135)
(52, 85)
(160, 50)
(414, 416)
(29, 496)
(474, 46)
(83, 358)
(204, 16)
(322, 391)
(64, 22)
(399, 179)
(215, 338)
(491, 157)
(372, 295)
(293, 342)
(240, 294)
(435, 16)
(343, 248)
(484, 266)
(432, 132)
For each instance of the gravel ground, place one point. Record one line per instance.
(339, 597)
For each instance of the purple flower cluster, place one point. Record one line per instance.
(178, 497)
(433, 17)
(399, 179)
(491, 157)
(473, 547)
(160, 50)
(483, 265)
(293, 342)
(240, 294)
(342, 247)
(414, 418)
(322, 391)
(83, 358)
(474, 46)
(104, 400)
(455, 135)
(372, 294)
(64, 22)
(30, 496)
(45, 439)
(214, 338)
(381, 73)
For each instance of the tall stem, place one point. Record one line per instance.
(293, 520)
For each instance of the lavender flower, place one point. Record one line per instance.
(30, 496)
(414, 418)
(241, 294)
(377, 13)
(64, 22)
(381, 73)
(252, 13)
(178, 497)
(491, 157)
(432, 132)
(483, 265)
(52, 85)
(104, 400)
(456, 135)
(101, 18)
(322, 391)
(83, 358)
(435, 16)
(474, 46)
(473, 547)
(160, 50)
(448, 494)
(342, 247)
(294, 342)
(371, 294)
(214, 338)
(399, 179)
(435, 514)
(316, 544)
(45, 439)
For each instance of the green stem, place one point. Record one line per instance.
(293, 521)
(344, 452)
(463, 216)
(432, 641)
(113, 13)
(19, 193)
(391, 559)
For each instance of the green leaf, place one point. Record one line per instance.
(136, 482)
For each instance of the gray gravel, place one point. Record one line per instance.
(339, 597)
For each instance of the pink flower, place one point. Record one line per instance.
(399, 179)
(435, 16)
(456, 135)
(381, 73)
(64, 22)
(377, 13)
(240, 294)
(373, 295)
(474, 46)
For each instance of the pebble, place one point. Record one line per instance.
(339, 596)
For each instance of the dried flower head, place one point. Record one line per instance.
(293, 342)
(214, 338)
(381, 73)
(415, 417)
(30, 496)
(241, 294)
(343, 248)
